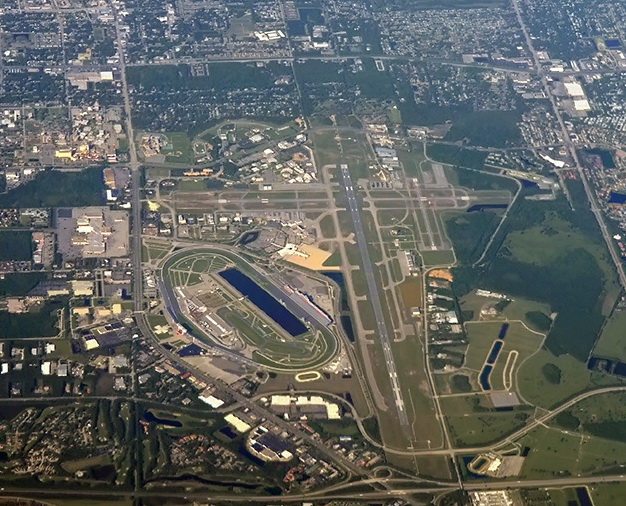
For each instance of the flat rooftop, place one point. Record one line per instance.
(92, 232)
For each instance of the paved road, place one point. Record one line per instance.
(135, 173)
(348, 494)
(214, 498)
(597, 212)
(241, 399)
(295, 305)
(136, 245)
(375, 295)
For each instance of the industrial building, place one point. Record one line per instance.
(312, 407)
(92, 232)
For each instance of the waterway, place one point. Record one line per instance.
(484, 377)
(486, 207)
(337, 277)
(346, 314)
(495, 351)
(249, 237)
(150, 417)
(617, 198)
(264, 301)
(503, 330)
(493, 356)
(466, 461)
(583, 496)
(346, 323)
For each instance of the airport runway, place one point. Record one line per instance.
(375, 296)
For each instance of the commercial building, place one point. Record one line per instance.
(304, 407)
(92, 232)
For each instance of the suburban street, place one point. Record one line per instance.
(571, 148)
(405, 178)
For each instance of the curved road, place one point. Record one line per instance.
(518, 433)
(270, 286)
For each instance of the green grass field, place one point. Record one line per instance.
(394, 115)
(612, 341)
(354, 151)
(456, 382)
(519, 344)
(155, 250)
(345, 223)
(555, 453)
(267, 343)
(274, 349)
(333, 260)
(600, 415)
(157, 172)
(537, 387)
(154, 320)
(327, 225)
(480, 336)
(548, 253)
(544, 244)
(186, 269)
(412, 159)
(519, 308)
(563, 496)
(178, 149)
(326, 150)
(607, 494)
(409, 360)
(473, 423)
(437, 258)
(392, 217)
(191, 185)
(71, 466)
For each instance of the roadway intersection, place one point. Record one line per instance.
(375, 296)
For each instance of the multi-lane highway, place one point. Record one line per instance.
(571, 148)
(375, 295)
(136, 175)
(244, 401)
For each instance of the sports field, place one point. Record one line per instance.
(259, 337)
(273, 349)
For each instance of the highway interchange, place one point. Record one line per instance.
(353, 204)
(382, 333)
(388, 490)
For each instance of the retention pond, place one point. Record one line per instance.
(264, 301)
